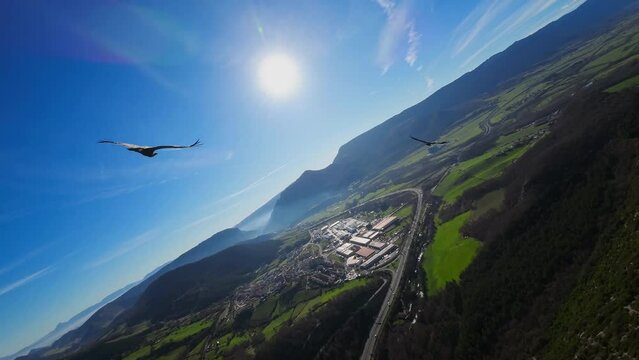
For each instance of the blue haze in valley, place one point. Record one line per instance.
(80, 220)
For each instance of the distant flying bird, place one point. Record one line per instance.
(429, 143)
(149, 150)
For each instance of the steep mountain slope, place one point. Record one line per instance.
(557, 274)
(191, 287)
(96, 325)
(182, 291)
(386, 143)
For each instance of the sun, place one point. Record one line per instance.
(278, 75)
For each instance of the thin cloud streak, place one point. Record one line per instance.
(207, 218)
(249, 187)
(253, 184)
(123, 249)
(525, 13)
(516, 19)
(23, 259)
(24, 281)
(484, 18)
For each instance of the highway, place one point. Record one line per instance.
(392, 293)
(396, 277)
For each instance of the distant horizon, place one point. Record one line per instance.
(85, 220)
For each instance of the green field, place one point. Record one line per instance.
(185, 332)
(406, 211)
(489, 165)
(140, 353)
(173, 355)
(472, 172)
(195, 352)
(465, 132)
(302, 309)
(175, 336)
(628, 83)
(449, 254)
(264, 310)
(227, 343)
(275, 324)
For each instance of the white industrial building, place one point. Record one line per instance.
(360, 240)
(385, 223)
(345, 249)
(375, 258)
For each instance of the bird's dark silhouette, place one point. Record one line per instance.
(429, 143)
(149, 151)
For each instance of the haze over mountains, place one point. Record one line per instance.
(377, 148)
(361, 158)
(69, 325)
(95, 325)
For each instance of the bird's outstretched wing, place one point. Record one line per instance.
(126, 145)
(159, 147)
(429, 143)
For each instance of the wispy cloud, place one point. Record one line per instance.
(112, 192)
(254, 184)
(24, 258)
(518, 18)
(413, 44)
(387, 6)
(123, 249)
(115, 191)
(24, 281)
(430, 84)
(208, 217)
(246, 189)
(530, 10)
(399, 27)
(482, 16)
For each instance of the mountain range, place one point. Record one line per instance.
(98, 317)
(313, 191)
(71, 324)
(383, 145)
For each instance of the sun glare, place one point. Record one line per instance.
(278, 75)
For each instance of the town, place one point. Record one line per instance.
(342, 250)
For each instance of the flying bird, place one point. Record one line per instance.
(149, 151)
(429, 143)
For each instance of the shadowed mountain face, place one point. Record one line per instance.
(96, 325)
(194, 286)
(557, 273)
(386, 143)
(178, 292)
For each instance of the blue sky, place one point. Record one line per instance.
(79, 220)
